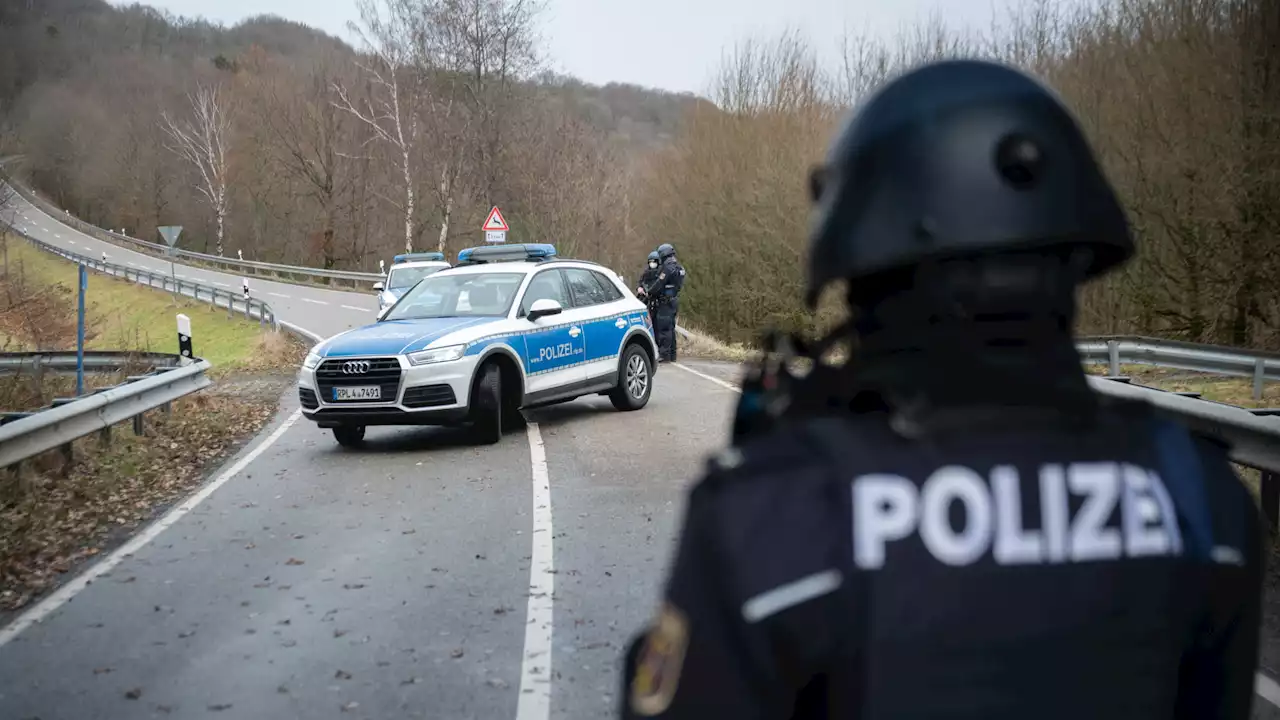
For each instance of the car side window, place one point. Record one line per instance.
(546, 285)
(586, 291)
(608, 290)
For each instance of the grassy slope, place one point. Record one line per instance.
(121, 315)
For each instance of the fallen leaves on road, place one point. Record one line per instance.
(295, 561)
(456, 653)
(353, 586)
(133, 694)
(342, 675)
(219, 708)
(52, 523)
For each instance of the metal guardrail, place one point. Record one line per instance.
(1213, 359)
(63, 216)
(64, 361)
(24, 435)
(250, 307)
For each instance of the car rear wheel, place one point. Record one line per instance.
(486, 405)
(635, 380)
(349, 435)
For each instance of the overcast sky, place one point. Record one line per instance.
(669, 44)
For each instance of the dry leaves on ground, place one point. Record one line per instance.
(53, 522)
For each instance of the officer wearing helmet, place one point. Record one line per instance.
(665, 292)
(952, 524)
(646, 278)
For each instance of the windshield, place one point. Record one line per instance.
(409, 276)
(464, 295)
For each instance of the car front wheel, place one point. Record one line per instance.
(486, 405)
(635, 380)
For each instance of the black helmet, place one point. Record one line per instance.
(954, 159)
(665, 251)
(653, 255)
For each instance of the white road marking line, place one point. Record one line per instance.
(704, 376)
(314, 302)
(357, 309)
(1267, 689)
(130, 265)
(277, 295)
(65, 593)
(219, 284)
(535, 665)
(73, 242)
(772, 602)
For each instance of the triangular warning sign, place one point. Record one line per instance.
(495, 221)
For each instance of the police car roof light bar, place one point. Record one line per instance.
(416, 257)
(533, 252)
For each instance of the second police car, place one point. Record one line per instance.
(510, 327)
(405, 272)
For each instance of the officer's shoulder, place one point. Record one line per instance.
(755, 465)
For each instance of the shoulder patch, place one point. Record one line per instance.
(660, 662)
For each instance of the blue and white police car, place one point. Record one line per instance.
(509, 327)
(405, 272)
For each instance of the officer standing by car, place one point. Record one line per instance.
(665, 291)
(647, 277)
(952, 524)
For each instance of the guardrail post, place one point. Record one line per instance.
(104, 436)
(1113, 356)
(1259, 375)
(1271, 498)
(137, 424)
(68, 458)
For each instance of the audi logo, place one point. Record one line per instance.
(355, 367)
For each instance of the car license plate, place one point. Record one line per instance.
(372, 392)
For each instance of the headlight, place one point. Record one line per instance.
(435, 355)
(311, 361)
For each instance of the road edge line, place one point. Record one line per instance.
(704, 376)
(67, 592)
(534, 701)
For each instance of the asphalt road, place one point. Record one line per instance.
(394, 581)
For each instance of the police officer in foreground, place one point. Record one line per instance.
(952, 525)
(665, 292)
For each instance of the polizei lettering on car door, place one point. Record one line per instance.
(1084, 512)
(555, 352)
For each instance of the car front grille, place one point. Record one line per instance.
(383, 372)
(428, 396)
(307, 397)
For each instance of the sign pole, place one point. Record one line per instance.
(170, 234)
(84, 284)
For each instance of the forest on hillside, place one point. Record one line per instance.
(339, 156)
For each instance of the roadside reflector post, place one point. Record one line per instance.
(1113, 356)
(1259, 375)
(184, 337)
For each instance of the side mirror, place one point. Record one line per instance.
(544, 307)
(378, 286)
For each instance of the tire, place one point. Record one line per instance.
(486, 405)
(635, 380)
(349, 435)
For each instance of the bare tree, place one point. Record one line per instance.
(390, 110)
(305, 134)
(203, 143)
(485, 47)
